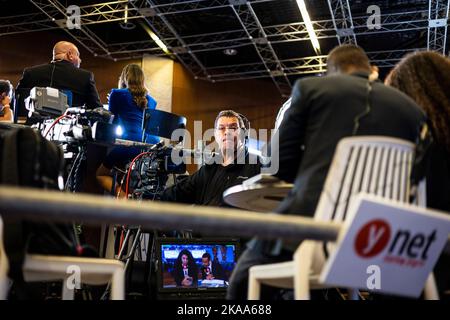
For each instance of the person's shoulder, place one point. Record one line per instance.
(151, 101)
(38, 67)
(83, 71)
(313, 82)
(120, 92)
(401, 99)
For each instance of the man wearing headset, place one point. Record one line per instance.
(347, 101)
(62, 73)
(206, 186)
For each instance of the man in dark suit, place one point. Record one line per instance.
(324, 110)
(212, 269)
(62, 73)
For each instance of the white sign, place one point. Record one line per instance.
(387, 247)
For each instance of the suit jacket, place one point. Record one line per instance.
(179, 275)
(129, 115)
(62, 75)
(217, 271)
(323, 111)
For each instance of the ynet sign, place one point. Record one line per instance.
(403, 241)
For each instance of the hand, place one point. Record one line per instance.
(6, 101)
(120, 193)
(187, 282)
(209, 277)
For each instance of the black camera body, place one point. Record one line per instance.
(150, 173)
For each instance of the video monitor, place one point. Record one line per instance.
(186, 265)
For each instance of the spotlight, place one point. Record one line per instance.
(119, 131)
(230, 52)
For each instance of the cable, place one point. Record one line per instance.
(131, 168)
(53, 71)
(54, 123)
(366, 111)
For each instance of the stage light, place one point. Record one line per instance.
(309, 27)
(119, 131)
(155, 38)
(230, 52)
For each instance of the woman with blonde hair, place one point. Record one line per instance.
(128, 104)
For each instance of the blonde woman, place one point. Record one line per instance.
(128, 104)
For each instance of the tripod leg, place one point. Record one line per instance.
(133, 248)
(151, 263)
(124, 244)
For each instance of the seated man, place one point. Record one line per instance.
(346, 102)
(212, 269)
(206, 186)
(62, 73)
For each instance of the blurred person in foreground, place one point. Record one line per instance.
(425, 77)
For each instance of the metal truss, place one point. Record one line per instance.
(56, 12)
(437, 28)
(342, 21)
(396, 22)
(176, 7)
(25, 23)
(301, 66)
(163, 29)
(255, 32)
(154, 18)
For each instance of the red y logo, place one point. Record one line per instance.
(372, 238)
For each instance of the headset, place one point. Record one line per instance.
(246, 128)
(53, 71)
(366, 111)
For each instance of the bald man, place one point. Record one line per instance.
(62, 73)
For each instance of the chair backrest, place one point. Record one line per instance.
(372, 164)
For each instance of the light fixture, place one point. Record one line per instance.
(119, 131)
(309, 27)
(230, 52)
(125, 24)
(155, 38)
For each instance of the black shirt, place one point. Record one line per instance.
(206, 186)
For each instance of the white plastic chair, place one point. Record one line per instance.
(371, 164)
(93, 271)
(53, 268)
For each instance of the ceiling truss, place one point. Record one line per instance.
(252, 33)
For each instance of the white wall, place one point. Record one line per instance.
(159, 80)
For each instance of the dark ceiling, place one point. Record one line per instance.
(269, 37)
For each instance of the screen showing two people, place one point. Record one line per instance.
(197, 265)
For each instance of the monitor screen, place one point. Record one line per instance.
(196, 264)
